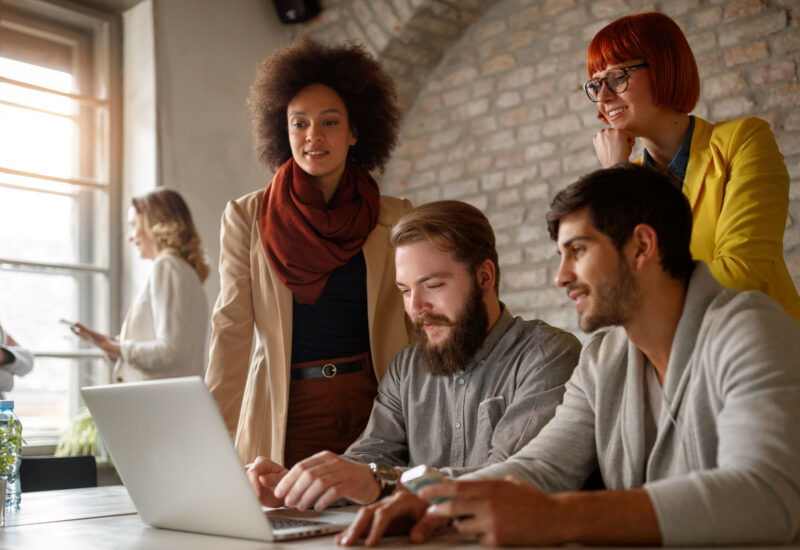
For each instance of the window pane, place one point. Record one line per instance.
(75, 231)
(32, 303)
(25, 235)
(34, 74)
(47, 397)
(36, 142)
(26, 182)
(33, 141)
(39, 100)
(48, 222)
(41, 397)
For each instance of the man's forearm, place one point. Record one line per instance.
(608, 517)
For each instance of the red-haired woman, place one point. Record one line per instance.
(644, 80)
(305, 264)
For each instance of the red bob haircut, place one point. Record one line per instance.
(659, 41)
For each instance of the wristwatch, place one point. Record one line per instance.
(386, 476)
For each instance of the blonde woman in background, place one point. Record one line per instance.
(164, 333)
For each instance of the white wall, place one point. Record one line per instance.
(139, 168)
(206, 54)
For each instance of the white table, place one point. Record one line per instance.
(104, 517)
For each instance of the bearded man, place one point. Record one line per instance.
(475, 389)
(688, 403)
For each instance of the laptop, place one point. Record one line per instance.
(174, 455)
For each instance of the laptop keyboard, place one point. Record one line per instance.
(284, 523)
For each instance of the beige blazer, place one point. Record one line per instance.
(250, 379)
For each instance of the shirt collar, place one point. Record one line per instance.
(679, 163)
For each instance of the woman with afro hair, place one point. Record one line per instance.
(305, 264)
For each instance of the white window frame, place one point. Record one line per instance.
(94, 38)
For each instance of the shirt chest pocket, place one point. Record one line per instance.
(490, 411)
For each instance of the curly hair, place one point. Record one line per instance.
(169, 221)
(366, 89)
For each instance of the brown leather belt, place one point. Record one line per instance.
(327, 369)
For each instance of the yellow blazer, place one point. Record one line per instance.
(250, 381)
(738, 188)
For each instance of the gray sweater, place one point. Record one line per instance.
(725, 464)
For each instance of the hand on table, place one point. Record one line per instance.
(501, 513)
(402, 512)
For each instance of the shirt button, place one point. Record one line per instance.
(461, 381)
(458, 425)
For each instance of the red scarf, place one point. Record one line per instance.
(305, 238)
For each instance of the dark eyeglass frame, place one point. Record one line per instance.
(626, 71)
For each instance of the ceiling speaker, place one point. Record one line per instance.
(296, 11)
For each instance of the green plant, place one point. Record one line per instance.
(80, 437)
(10, 445)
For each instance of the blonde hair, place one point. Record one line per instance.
(168, 220)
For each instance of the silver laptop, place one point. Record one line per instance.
(174, 455)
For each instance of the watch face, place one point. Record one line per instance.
(385, 473)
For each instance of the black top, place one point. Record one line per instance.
(337, 325)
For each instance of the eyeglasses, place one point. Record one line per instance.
(616, 81)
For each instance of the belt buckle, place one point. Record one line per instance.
(329, 370)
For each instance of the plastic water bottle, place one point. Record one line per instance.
(10, 452)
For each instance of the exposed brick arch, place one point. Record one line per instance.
(408, 36)
(495, 114)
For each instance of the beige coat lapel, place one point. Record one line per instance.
(375, 251)
(283, 315)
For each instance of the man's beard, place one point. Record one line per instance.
(612, 301)
(467, 333)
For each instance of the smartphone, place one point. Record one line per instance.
(418, 477)
(421, 476)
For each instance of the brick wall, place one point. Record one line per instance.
(408, 36)
(496, 115)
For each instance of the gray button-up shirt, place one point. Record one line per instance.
(480, 416)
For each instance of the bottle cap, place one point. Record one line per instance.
(6, 404)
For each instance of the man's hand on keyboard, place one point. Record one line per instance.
(264, 475)
(324, 478)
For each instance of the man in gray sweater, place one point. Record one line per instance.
(476, 388)
(689, 405)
